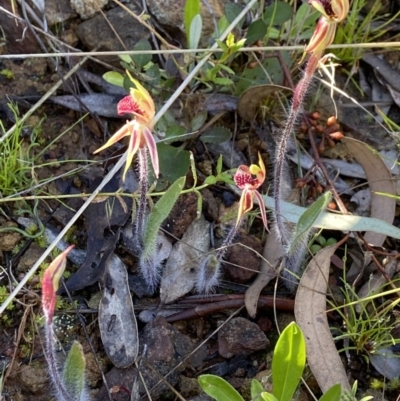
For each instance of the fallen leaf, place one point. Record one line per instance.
(179, 274)
(310, 313)
(272, 255)
(117, 322)
(379, 180)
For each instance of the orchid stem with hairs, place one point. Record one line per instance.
(70, 385)
(248, 179)
(333, 12)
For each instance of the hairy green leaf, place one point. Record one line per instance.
(74, 371)
(288, 362)
(218, 388)
(159, 213)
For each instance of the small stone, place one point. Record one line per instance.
(33, 379)
(9, 240)
(240, 337)
(87, 8)
(243, 257)
(29, 258)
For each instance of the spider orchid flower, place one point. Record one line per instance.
(140, 104)
(333, 11)
(50, 283)
(249, 179)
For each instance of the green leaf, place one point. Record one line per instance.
(198, 120)
(232, 10)
(216, 135)
(192, 8)
(154, 74)
(196, 27)
(210, 180)
(256, 390)
(288, 362)
(219, 165)
(268, 397)
(125, 57)
(257, 76)
(174, 132)
(141, 60)
(335, 221)
(333, 394)
(222, 81)
(218, 388)
(174, 162)
(308, 218)
(256, 31)
(160, 212)
(278, 13)
(114, 78)
(74, 371)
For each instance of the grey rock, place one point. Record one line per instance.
(97, 33)
(240, 337)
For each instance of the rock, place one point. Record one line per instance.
(170, 14)
(87, 8)
(182, 215)
(189, 387)
(240, 337)
(166, 347)
(96, 32)
(8, 240)
(243, 262)
(58, 11)
(18, 39)
(210, 205)
(29, 258)
(33, 379)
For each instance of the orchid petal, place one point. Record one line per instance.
(122, 132)
(133, 146)
(152, 146)
(340, 8)
(323, 36)
(245, 204)
(262, 209)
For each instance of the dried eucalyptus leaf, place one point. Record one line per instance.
(180, 270)
(117, 322)
(310, 313)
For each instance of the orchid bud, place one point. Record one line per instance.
(50, 283)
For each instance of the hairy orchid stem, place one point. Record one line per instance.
(50, 354)
(297, 107)
(209, 271)
(143, 188)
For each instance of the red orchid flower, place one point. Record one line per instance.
(249, 179)
(140, 104)
(333, 11)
